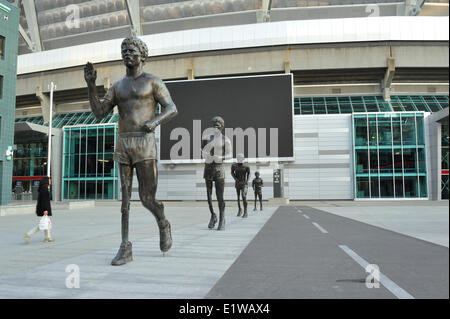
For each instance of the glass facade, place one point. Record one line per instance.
(66, 119)
(425, 103)
(389, 154)
(445, 160)
(363, 104)
(30, 159)
(89, 171)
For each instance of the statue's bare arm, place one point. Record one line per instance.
(233, 174)
(228, 149)
(100, 108)
(247, 173)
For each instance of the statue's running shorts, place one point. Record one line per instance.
(134, 147)
(241, 186)
(214, 172)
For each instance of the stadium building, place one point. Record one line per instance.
(368, 92)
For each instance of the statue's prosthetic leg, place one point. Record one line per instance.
(260, 200)
(147, 175)
(238, 192)
(220, 187)
(244, 200)
(213, 220)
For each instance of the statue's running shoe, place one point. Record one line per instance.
(124, 255)
(165, 236)
(212, 221)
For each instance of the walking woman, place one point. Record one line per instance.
(42, 208)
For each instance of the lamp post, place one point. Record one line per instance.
(52, 86)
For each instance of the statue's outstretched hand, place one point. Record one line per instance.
(90, 74)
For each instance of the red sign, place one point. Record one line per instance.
(26, 178)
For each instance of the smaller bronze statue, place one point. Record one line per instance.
(241, 173)
(216, 148)
(257, 185)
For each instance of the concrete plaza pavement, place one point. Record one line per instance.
(277, 253)
(90, 237)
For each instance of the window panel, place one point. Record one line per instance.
(92, 141)
(422, 161)
(384, 130)
(434, 107)
(73, 190)
(385, 159)
(82, 193)
(373, 161)
(83, 141)
(345, 108)
(296, 106)
(333, 108)
(420, 129)
(372, 107)
(358, 107)
(387, 187)
(409, 160)
(397, 107)
(319, 108)
(411, 186)
(362, 161)
(373, 138)
(424, 107)
(362, 187)
(445, 134)
(108, 192)
(109, 139)
(306, 108)
(90, 190)
(408, 129)
(423, 186)
(444, 187)
(385, 107)
(399, 187)
(409, 107)
(398, 161)
(374, 187)
(91, 165)
(108, 165)
(360, 130)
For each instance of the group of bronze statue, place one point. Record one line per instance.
(216, 148)
(137, 95)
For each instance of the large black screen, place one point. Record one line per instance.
(256, 103)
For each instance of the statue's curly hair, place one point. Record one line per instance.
(139, 44)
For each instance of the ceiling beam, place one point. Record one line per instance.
(386, 83)
(33, 27)
(264, 13)
(25, 36)
(413, 7)
(135, 16)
